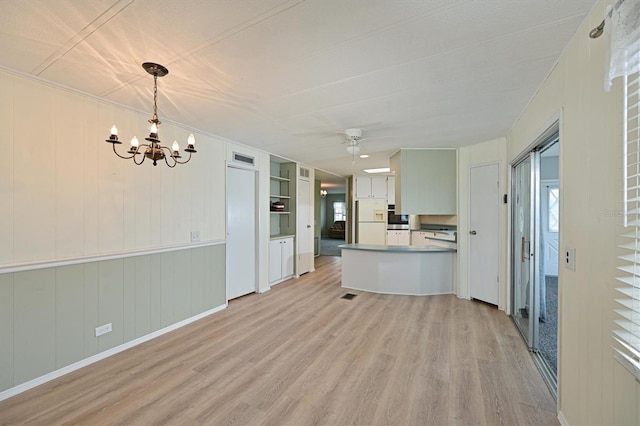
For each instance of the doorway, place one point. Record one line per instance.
(241, 232)
(535, 240)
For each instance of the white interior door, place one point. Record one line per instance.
(241, 232)
(305, 230)
(484, 230)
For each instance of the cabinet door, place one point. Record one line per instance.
(404, 238)
(287, 257)
(391, 190)
(390, 238)
(363, 187)
(275, 260)
(419, 238)
(379, 187)
(395, 238)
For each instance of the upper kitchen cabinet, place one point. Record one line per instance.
(425, 181)
(391, 189)
(368, 187)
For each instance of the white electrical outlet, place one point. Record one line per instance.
(570, 258)
(103, 329)
(195, 236)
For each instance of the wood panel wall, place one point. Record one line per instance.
(48, 316)
(65, 194)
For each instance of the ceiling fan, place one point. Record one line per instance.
(353, 137)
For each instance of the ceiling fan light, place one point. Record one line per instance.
(353, 149)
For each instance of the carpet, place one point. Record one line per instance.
(329, 247)
(548, 331)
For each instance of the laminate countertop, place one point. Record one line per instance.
(397, 249)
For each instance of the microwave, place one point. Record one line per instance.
(396, 219)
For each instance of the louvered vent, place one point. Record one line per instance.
(241, 158)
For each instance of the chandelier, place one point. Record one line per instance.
(153, 150)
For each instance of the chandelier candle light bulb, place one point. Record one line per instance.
(153, 150)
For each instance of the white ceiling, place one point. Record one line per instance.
(284, 76)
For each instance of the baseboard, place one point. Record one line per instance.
(561, 419)
(102, 355)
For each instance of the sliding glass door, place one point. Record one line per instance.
(535, 230)
(522, 260)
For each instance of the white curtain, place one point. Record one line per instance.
(622, 25)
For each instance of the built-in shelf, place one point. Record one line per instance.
(282, 190)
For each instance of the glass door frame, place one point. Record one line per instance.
(531, 335)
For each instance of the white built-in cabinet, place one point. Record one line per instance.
(398, 238)
(426, 181)
(281, 259)
(391, 189)
(282, 206)
(367, 187)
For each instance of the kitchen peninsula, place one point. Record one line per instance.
(405, 270)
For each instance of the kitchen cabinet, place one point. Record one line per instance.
(420, 238)
(280, 259)
(398, 238)
(371, 187)
(426, 181)
(391, 190)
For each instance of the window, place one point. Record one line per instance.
(339, 211)
(627, 328)
(554, 209)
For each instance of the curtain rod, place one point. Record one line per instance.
(597, 31)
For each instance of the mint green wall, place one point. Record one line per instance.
(48, 316)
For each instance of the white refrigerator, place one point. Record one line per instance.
(371, 222)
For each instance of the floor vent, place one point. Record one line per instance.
(348, 296)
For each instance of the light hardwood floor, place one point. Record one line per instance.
(300, 354)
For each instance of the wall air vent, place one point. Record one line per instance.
(304, 172)
(246, 159)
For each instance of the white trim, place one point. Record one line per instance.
(562, 419)
(102, 355)
(28, 266)
(264, 290)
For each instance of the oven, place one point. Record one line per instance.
(396, 221)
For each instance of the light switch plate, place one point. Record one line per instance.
(195, 236)
(570, 258)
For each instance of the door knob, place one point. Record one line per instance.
(472, 232)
